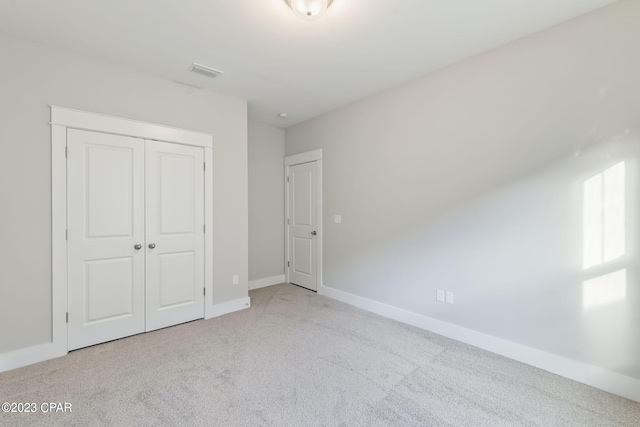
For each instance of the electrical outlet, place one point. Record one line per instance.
(337, 219)
(440, 295)
(449, 298)
(235, 279)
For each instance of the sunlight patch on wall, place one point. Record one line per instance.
(604, 216)
(605, 289)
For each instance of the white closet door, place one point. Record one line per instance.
(105, 186)
(175, 234)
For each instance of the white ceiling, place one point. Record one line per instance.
(276, 61)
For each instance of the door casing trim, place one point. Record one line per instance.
(65, 118)
(296, 159)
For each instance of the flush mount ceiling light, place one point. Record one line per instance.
(309, 9)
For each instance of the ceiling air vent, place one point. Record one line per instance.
(205, 71)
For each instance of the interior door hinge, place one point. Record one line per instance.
(65, 151)
(66, 234)
(204, 291)
(204, 166)
(67, 317)
(287, 263)
(288, 221)
(204, 228)
(287, 179)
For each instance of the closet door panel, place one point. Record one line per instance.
(105, 190)
(175, 234)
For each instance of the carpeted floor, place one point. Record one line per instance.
(299, 359)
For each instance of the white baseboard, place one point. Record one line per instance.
(30, 355)
(594, 376)
(228, 307)
(266, 281)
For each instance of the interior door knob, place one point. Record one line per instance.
(313, 233)
(137, 246)
(152, 245)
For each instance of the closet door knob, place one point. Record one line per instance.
(313, 233)
(137, 246)
(152, 245)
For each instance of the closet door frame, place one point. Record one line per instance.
(65, 118)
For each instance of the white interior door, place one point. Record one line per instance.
(303, 221)
(105, 190)
(174, 234)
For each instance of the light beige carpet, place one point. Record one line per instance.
(299, 359)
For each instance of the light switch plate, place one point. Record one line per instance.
(235, 279)
(449, 298)
(440, 295)
(337, 219)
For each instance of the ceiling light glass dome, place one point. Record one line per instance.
(309, 9)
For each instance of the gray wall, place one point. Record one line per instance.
(266, 201)
(33, 76)
(470, 180)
